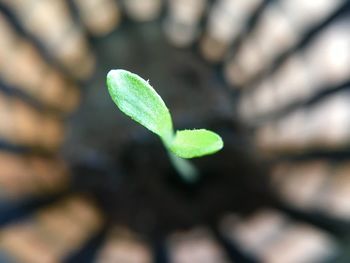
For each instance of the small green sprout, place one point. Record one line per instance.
(136, 98)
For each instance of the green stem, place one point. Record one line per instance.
(185, 168)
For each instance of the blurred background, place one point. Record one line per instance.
(80, 182)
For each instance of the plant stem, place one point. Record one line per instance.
(184, 167)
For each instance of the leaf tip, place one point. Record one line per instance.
(115, 79)
(220, 143)
(114, 74)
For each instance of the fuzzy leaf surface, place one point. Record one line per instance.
(135, 97)
(195, 143)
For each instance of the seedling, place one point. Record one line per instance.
(136, 98)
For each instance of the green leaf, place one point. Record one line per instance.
(195, 143)
(136, 98)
